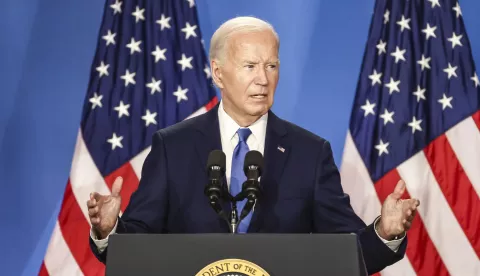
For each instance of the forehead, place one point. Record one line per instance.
(258, 44)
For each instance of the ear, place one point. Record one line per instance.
(216, 73)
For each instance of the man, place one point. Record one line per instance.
(302, 189)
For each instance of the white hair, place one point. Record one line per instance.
(219, 39)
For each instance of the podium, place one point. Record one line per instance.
(234, 254)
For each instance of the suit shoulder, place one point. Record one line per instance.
(181, 129)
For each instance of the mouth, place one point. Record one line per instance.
(259, 96)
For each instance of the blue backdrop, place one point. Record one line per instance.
(46, 49)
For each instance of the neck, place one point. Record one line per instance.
(241, 120)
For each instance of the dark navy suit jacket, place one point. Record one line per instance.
(302, 189)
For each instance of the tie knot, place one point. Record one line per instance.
(243, 134)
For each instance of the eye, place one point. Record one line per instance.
(249, 66)
(272, 66)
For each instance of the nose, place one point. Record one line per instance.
(261, 78)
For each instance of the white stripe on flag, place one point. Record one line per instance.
(364, 200)
(467, 152)
(58, 258)
(137, 162)
(85, 177)
(444, 231)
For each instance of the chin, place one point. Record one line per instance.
(258, 110)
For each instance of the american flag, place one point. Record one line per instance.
(150, 70)
(416, 117)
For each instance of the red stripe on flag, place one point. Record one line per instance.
(76, 231)
(476, 118)
(421, 251)
(456, 188)
(212, 103)
(43, 270)
(130, 182)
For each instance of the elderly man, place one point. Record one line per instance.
(302, 189)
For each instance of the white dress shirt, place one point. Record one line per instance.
(229, 139)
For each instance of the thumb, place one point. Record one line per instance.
(399, 189)
(117, 186)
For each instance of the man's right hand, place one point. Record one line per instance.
(104, 209)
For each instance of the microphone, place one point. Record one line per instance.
(216, 171)
(253, 168)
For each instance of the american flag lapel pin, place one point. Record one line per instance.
(280, 148)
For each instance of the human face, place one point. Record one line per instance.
(248, 75)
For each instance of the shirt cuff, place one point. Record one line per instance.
(103, 243)
(393, 244)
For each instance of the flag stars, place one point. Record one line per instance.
(185, 62)
(393, 86)
(134, 46)
(450, 71)
(128, 78)
(368, 108)
(382, 47)
(457, 10)
(415, 125)
(207, 71)
(446, 101)
(434, 3)
(189, 30)
(154, 86)
(375, 77)
(424, 62)
(382, 148)
(191, 3)
(475, 80)
(96, 100)
(159, 54)
(403, 23)
(116, 141)
(122, 109)
(387, 117)
(109, 37)
(455, 40)
(149, 118)
(138, 14)
(398, 54)
(117, 7)
(386, 17)
(164, 22)
(429, 31)
(102, 69)
(420, 93)
(181, 94)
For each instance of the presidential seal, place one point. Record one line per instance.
(232, 267)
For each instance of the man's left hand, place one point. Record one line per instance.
(397, 214)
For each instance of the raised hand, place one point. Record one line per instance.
(397, 213)
(104, 209)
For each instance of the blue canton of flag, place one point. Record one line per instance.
(150, 71)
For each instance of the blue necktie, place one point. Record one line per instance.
(238, 176)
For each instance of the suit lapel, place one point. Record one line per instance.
(276, 153)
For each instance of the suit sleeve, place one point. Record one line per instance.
(146, 211)
(334, 214)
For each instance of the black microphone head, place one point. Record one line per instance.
(253, 158)
(216, 161)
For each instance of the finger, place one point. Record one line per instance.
(95, 220)
(96, 196)
(399, 189)
(92, 202)
(117, 186)
(407, 225)
(93, 212)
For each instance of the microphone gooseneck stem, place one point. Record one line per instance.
(234, 219)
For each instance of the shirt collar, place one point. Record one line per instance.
(229, 127)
